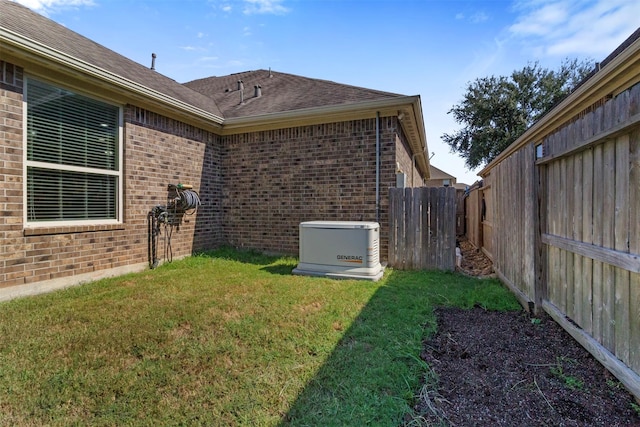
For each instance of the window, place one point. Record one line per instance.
(446, 182)
(73, 168)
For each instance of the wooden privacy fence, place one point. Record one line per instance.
(566, 234)
(422, 228)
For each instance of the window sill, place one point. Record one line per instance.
(69, 229)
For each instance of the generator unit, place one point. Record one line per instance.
(340, 249)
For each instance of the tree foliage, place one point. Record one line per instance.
(495, 111)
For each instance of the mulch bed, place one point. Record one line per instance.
(510, 369)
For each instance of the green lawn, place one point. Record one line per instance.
(225, 338)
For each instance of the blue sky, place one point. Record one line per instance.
(431, 48)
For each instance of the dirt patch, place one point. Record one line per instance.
(474, 261)
(511, 369)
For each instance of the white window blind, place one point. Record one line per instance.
(72, 156)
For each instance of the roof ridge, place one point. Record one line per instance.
(272, 72)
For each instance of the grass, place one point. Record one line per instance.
(570, 381)
(226, 338)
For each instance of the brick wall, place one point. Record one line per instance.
(158, 151)
(273, 180)
(12, 250)
(407, 162)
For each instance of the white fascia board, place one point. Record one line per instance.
(40, 50)
(365, 109)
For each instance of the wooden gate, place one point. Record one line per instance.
(422, 228)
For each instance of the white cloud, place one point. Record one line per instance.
(274, 7)
(208, 59)
(575, 27)
(478, 17)
(47, 6)
(474, 18)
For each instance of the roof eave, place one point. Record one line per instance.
(417, 136)
(24, 45)
(409, 106)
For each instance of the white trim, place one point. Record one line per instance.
(120, 184)
(69, 168)
(51, 54)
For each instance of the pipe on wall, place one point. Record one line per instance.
(378, 167)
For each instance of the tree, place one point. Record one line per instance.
(495, 111)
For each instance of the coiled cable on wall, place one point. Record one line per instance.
(188, 200)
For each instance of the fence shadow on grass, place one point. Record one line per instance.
(281, 269)
(247, 256)
(273, 264)
(373, 372)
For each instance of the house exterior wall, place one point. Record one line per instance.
(406, 161)
(255, 189)
(273, 180)
(158, 151)
(440, 182)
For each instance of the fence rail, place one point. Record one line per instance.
(422, 228)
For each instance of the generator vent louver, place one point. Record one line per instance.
(340, 249)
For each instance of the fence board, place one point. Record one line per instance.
(562, 222)
(426, 230)
(416, 251)
(596, 227)
(634, 247)
(486, 232)
(554, 252)
(392, 249)
(408, 230)
(587, 236)
(400, 255)
(441, 223)
(569, 230)
(577, 235)
(449, 246)
(608, 271)
(621, 230)
(433, 227)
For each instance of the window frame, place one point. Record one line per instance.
(118, 173)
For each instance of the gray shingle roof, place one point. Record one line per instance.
(19, 19)
(219, 96)
(280, 92)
